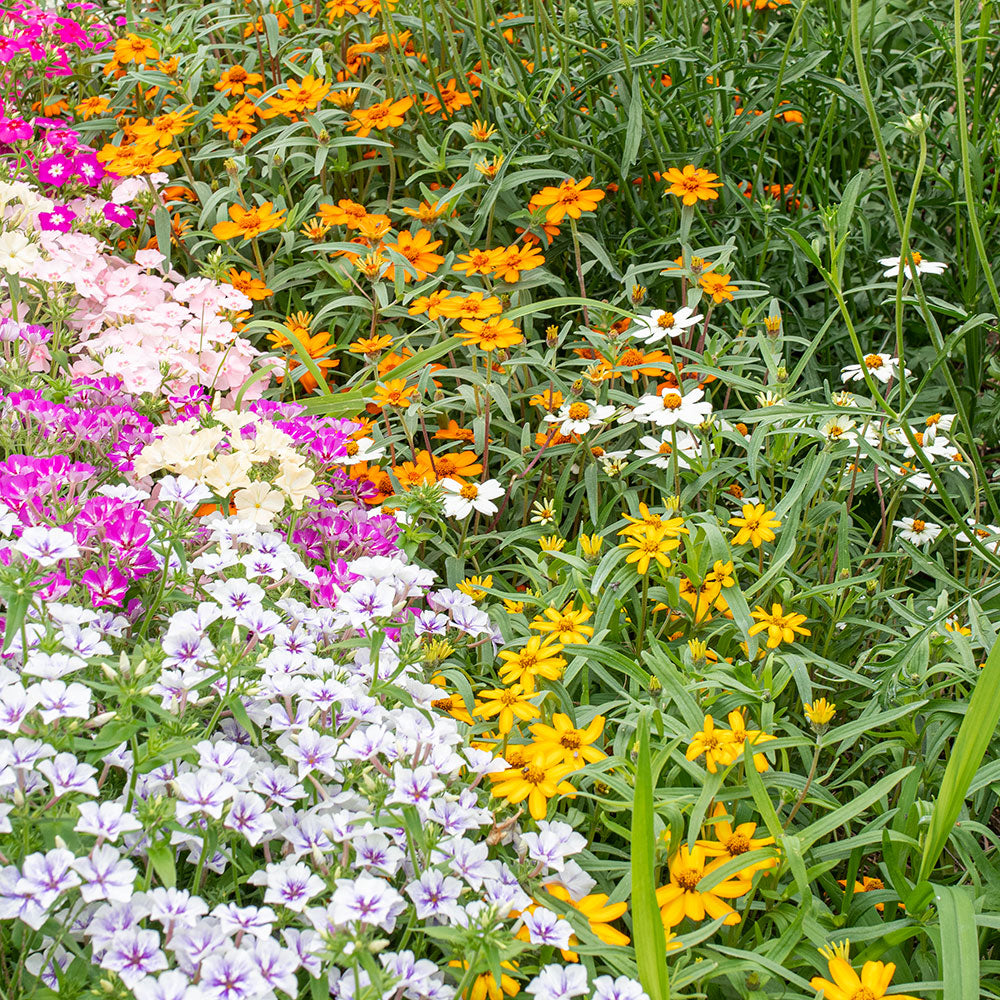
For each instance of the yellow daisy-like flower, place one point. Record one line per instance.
(566, 625)
(576, 745)
(507, 704)
(681, 897)
(730, 842)
(779, 626)
(847, 984)
(716, 744)
(820, 712)
(538, 780)
(756, 525)
(476, 586)
(539, 658)
(652, 544)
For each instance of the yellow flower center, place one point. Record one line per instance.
(579, 411)
(533, 775)
(469, 492)
(665, 449)
(836, 431)
(873, 361)
(864, 994)
(671, 401)
(665, 321)
(351, 448)
(508, 698)
(738, 843)
(570, 740)
(918, 525)
(688, 879)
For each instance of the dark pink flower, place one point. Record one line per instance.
(56, 170)
(59, 220)
(121, 215)
(88, 168)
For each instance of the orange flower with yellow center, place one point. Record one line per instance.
(248, 223)
(692, 184)
(492, 335)
(236, 79)
(417, 249)
(718, 286)
(385, 114)
(571, 198)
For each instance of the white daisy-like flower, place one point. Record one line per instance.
(461, 499)
(939, 423)
(362, 450)
(915, 479)
(838, 429)
(893, 264)
(579, 417)
(664, 448)
(881, 366)
(917, 531)
(660, 324)
(671, 408)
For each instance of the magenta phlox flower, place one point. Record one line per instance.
(120, 215)
(56, 170)
(59, 220)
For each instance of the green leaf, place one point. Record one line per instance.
(647, 927)
(161, 226)
(633, 132)
(959, 954)
(161, 857)
(967, 754)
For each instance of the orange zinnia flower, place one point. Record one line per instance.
(344, 213)
(438, 303)
(457, 465)
(491, 335)
(394, 392)
(297, 97)
(132, 48)
(515, 259)
(571, 198)
(245, 282)
(416, 248)
(717, 285)
(477, 262)
(453, 100)
(385, 114)
(474, 306)
(248, 223)
(91, 106)
(455, 433)
(316, 347)
(692, 184)
(236, 79)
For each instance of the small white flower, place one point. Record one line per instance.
(660, 324)
(461, 499)
(917, 531)
(671, 408)
(893, 264)
(881, 366)
(681, 445)
(579, 417)
(838, 429)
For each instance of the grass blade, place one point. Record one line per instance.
(973, 738)
(959, 942)
(647, 928)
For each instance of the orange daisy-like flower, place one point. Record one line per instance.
(344, 213)
(395, 392)
(245, 282)
(91, 106)
(238, 122)
(248, 223)
(692, 184)
(132, 48)
(455, 433)
(477, 262)
(452, 99)
(295, 97)
(457, 465)
(385, 114)
(236, 79)
(492, 335)
(571, 198)
(426, 212)
(515, 259)
(371, 345)
(476, 306)
(416, 248)
(718, 286)
(439, 303)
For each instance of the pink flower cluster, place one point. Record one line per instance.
(47, 38)
(157, 333)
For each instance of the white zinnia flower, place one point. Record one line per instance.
(840, 429)
(881, 366)
(683, 444)
(672, 407)
(580, 417)
(919, 532)
(461, 499)
(660, 324)
(893, 264)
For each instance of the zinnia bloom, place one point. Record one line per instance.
(385, 114)
(248, 223)
(847, 984)
(571, 198)
(692, 184)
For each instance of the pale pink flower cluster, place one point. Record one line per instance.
(157, 333)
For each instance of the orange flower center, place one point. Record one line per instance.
(352, 448)
(738, 844)
(864, 994)
(533, 775)
(665, 321)
(570, 740)
(873, 361)
(918, 525)
(671, 401)
(665, 449)
(579, 411)
(688, 879)
(469, 492)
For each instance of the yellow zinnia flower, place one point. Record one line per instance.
(681, 897)
(756, 525)
(847, 984)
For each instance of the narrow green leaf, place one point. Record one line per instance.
(633, 131)
(647, 927)
(959, 955)
(967, 754)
